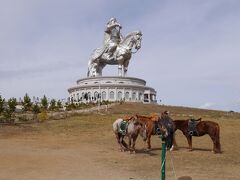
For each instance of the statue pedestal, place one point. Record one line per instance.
(112, 88)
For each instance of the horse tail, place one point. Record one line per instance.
(116, 125)
(217, 135)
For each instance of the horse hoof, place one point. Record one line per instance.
(216, 152)
(122, 149)
(132, 152)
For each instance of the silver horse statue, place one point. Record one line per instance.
(121, 56)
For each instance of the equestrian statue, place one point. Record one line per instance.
(116, 50)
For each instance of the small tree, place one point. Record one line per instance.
(8, 112)
(27, 104)
(36, 109)
(2, 102)
(59, 104)
(52, 104)
(12, 103)
(44, 103)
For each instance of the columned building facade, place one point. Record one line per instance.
(112, 88)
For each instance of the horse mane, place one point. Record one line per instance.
(152, 117)
(130, 35)
(128, 118)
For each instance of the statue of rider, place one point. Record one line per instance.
(112, 37)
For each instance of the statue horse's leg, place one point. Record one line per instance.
(120, 60)
(125, 71)
(120, 70)
(125, 67)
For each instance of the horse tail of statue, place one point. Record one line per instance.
(89, 67)
(88, 73)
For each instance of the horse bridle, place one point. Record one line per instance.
(135, 48)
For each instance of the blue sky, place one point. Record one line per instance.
(190, 49)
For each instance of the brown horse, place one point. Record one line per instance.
(200, 128)
(156, 126)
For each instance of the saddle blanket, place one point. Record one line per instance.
(123, 127)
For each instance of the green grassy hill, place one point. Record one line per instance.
(176, 112)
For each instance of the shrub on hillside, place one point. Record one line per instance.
(2, 102)
(43, 116)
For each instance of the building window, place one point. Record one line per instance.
(119, 95)
(89, 95)
(127, 95)
(134, 96)
(95, 95)
(140, 96)
(104, 95)
(111, 95)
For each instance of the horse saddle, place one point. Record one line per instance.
(192, 124)
(123, 127)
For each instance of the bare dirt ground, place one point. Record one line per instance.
(84, 147)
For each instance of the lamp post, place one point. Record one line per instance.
(99, 96)
(163, 167)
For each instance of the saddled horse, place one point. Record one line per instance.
(156, 125)
(167, 121)
(134, 127)
(200, 128)
(121, 56)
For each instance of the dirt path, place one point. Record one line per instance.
(48, 156)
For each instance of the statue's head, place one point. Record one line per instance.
(138, 39)
(112, 20)
(139, 33)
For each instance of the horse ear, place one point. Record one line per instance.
(155, 118)
(199, 119)
(166, 112)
